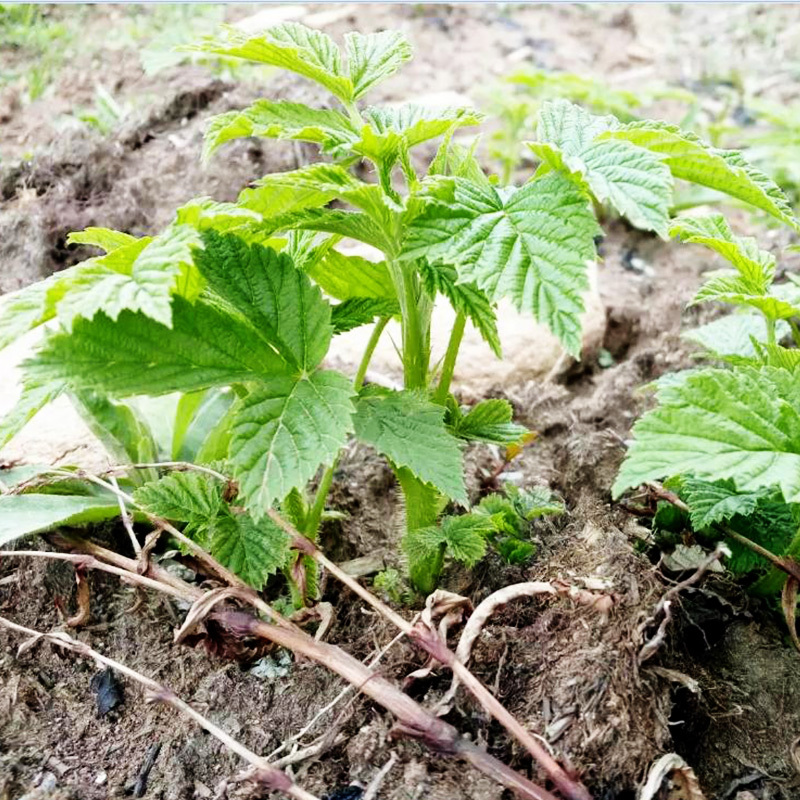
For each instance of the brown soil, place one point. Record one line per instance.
(563, 672)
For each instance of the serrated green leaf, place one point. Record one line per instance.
(742, 425)
(286, 310)
(23, 514)
(104, 238)
(252, 550)
(491, 421)
(290, 46)
(410, 432)
(280, 119)
(374, 57)
(774, 355)
(711, 503)
(464, 297)
(756, 267)
(632, 179)
(207, 346)
(531, 244)
(347, 276)
(26, 309)
(464, 539)
(192, 497)
(415, 124)
(358, 311)
(352, 224)
(691, 160)
(203, 213)
(284, 430)
(141, 276)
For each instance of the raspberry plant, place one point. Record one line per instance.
(230, 311)
(727, 437)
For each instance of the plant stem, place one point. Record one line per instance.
(275, 778)
(449, 365)
(432, 644)
(355, 114)
(321, 496)
(770, 330)
(369, 351)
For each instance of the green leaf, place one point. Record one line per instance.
(463, 537)
(23, 514)
(192, 497)
(348, 276)
(353, 224)
(203, 213)
(141, 276)
(632, 179)
(742, 425)
(123, 433)
(207, 346)
(197, 416)
(252, 550)
(724, 170)
(359, 311)
(284, 430)
(531, 244)
(329, 129)
(290, 46)
(410, 432)
(756, 267)
(374, 57)
(286, 310)
(34, 397)
(104, 238)
(26, 309)
(711, 503)
(731, 337)
(491, 421)
(464, 297)
(415, 124)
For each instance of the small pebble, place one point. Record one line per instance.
(101, 778)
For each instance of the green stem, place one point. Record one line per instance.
(416, 322)
(318, 507)
(358, 381)
(775, 578)
(770, 330)
(449, 365)
(795, 332)
(355, 114)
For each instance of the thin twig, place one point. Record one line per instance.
(177, 466)
(90, 562)
(431, 643)
(349, 689)
(277, 780)
(127, 522)
(371, 792)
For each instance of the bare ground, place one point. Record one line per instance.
(564, 673)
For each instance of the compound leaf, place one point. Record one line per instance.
(290, 46)
(491, 421)
(191, 497)
(632, 179)
(531, 244)
(206, 346)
